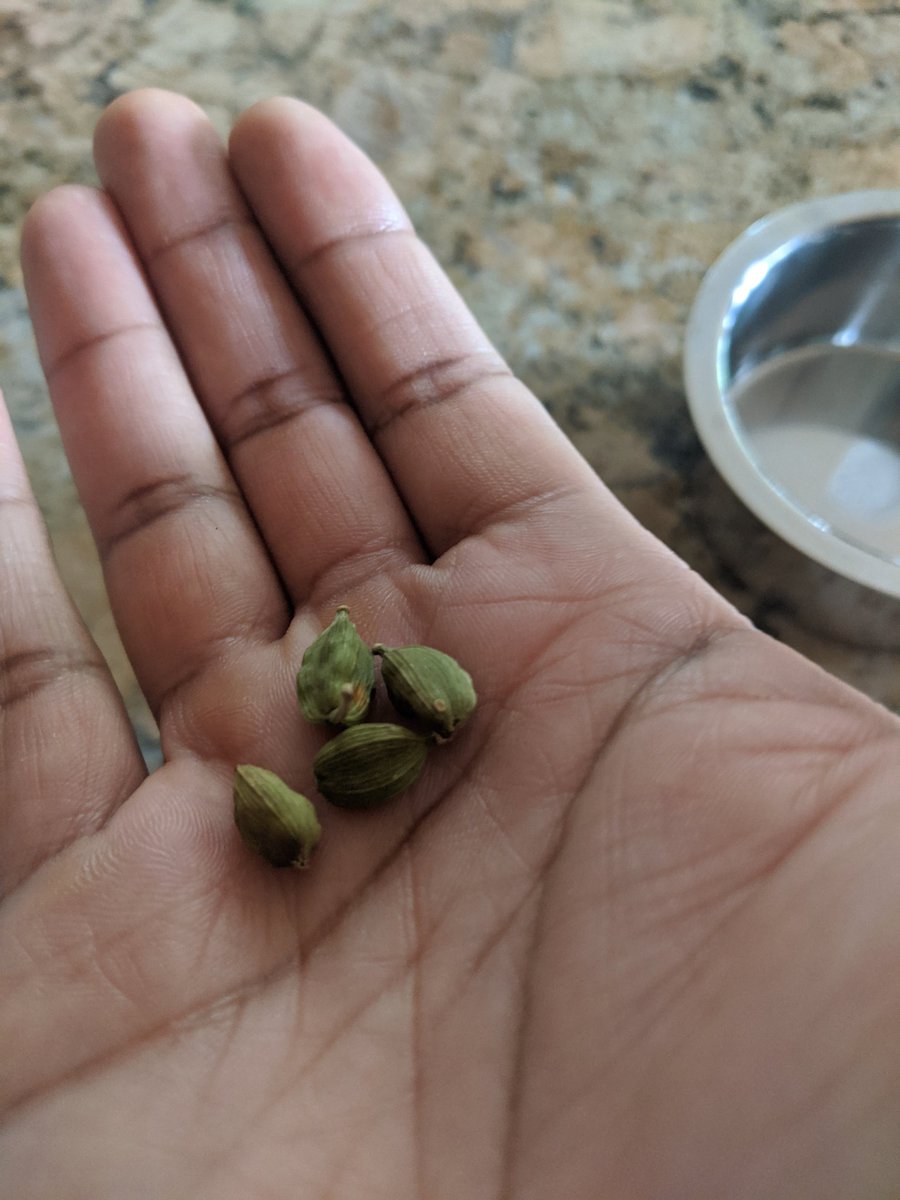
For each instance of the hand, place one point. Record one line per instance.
(633, 933)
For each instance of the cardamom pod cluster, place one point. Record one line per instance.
(367, 764)
(274, 820)
(336, 676)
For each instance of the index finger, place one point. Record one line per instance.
(463, 439)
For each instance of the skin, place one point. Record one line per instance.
(633, 934)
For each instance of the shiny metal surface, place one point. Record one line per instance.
(792, 365)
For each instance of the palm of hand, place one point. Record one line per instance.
(578, 960)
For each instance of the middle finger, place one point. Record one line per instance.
(325, 504)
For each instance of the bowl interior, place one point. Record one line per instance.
(809, 374)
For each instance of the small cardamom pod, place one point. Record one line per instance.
(336, 675)
(428, 685)
(368, 764)
(274, 820)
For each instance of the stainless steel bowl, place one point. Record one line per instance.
(792, 368)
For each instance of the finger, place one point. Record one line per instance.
(187, 574)
(462, 438)
(68, 755)
(297, 449)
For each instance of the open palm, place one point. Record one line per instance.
(632, 934)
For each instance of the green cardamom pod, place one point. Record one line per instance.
(336, 675)
(428, 685)
(274, 820)
(369, 764)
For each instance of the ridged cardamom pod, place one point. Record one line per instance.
(274, 820)
(428, 685)
(369, 764)
(336, 675)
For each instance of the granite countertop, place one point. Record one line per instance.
(577, 165)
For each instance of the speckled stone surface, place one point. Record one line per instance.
(577, 165)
